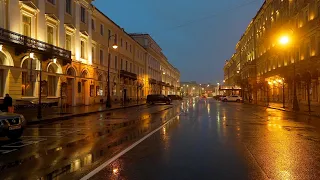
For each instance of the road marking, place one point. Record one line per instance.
(105, 164)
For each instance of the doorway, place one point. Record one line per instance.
(83, 91)
(70, 86)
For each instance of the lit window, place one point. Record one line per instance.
(83, 49)
(68, 42)
(93, 54)
(49, 34)
(26, 25)
(52, 85)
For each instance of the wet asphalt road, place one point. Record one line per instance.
(69, 149)
(208, 140)
(214, 140)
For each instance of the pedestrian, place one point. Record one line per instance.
(7, 103)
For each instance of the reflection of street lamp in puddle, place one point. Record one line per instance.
(115, 171)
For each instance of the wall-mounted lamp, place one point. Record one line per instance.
(54, 60)
(1, 46)
(31, 55)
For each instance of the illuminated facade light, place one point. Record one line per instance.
(54, 60)
(115, 46)
(1, 46)
(31, 55)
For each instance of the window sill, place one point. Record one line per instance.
(28, 97)
(52, 97)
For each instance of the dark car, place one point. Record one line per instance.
(158, 98)
(11, 125)
(174, 97)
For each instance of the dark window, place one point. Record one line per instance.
(52, 1)
(121, 64)
(115, 39)
(83, 14)
(116, 62)
(101, 57)
(68, 6)
(126, 65)
(130, 48)
(126, 45)
(93, 24)
(101, 29)
(121, 42)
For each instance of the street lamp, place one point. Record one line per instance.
(285, 40)
(114, 46)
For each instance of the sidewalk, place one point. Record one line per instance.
(56, 113)
(315, 109)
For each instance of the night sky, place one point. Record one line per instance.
(197, 36)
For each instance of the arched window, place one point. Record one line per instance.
(84, 74)
(52, 80)
(71, 72)
(29, 76)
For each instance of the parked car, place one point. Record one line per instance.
(234, 98)
(175, 97)
(221, 98)
(11, 125)
(158, 98)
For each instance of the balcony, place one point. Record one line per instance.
(161, 83)
(308, 27)
(127, 74)
(23, 43)
(152, 81)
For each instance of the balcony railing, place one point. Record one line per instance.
(25, 42)
(152, 81)
(128, 74)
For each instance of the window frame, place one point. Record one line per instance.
(66, 9)
(102, 29)
(83, 17)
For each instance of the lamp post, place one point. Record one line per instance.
(283, 98)
(285, 40)
(115, 46)
(39, 116)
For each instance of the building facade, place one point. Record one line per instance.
(271, 70)
(64, 50)
(162, 78)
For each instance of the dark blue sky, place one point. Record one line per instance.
(197, 36)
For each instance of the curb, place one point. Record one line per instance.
(65, 117)
(285, 110)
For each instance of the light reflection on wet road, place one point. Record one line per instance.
(214, 140)
(209, 140)
(72, 147)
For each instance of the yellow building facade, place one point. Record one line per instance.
(271, 70)
(60, 48)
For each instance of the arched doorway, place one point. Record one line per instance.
(29, 76)
(71, 74)
(52, 80)
(84, 87)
